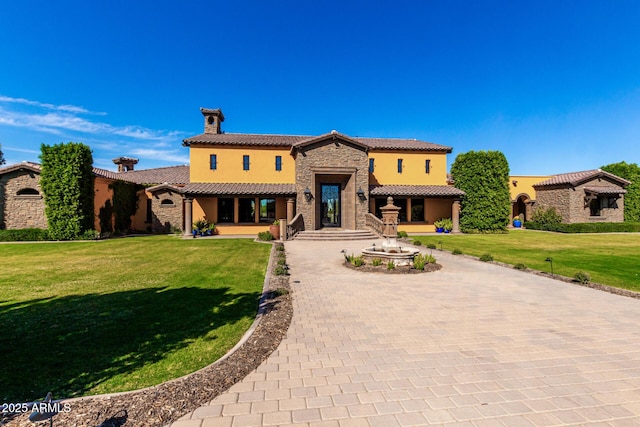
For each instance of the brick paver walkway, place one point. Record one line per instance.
(473, 344)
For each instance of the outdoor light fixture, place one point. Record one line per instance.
(307, 194)
(360, 194)
(550, 261)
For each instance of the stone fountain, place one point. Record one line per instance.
(390, 250)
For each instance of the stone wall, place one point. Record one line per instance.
(21, 211)
(333, 160)
(570, 202)
(167, 211)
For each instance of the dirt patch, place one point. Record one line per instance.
(165, 403)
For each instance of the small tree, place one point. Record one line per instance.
(2, 160)
(67, 183)
(484, 177)
(630, 172)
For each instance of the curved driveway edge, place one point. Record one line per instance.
(473, 344)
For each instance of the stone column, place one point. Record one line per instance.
(291, 212)
(188, 215)
(455, 216)
(528, 210)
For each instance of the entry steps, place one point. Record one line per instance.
(336, 235)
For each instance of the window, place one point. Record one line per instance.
(402, 204)
(246, 210)
(371, 165)
(225, 210)
(213, 162)
(417, 210)
(167, 203)
(427, 166)
(245, 162)
(267, 210)
(27, 192)
(149, 210)
(399, 165)
(278, 163)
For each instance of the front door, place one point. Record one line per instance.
(330, 205)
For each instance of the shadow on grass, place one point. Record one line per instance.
(69, 345)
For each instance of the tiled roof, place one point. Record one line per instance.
(416, 190)
(402, 144)
(170, 175)
(576, 178)
(292, 140)
(245, 139)
(23, 165)
(240, 189)
(106, 174)
(606, 190)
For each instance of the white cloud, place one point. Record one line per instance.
(164, 155)
(66, 118)
(66, 108)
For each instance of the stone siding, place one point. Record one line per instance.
(21, 211)
(570, 202)
(337, 161)
(166, 216)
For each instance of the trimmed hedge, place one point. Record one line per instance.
(484, 177)
(24, 235)
(587, 227)
(67, 184)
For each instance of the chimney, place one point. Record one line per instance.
(125, 164)
(212, 120)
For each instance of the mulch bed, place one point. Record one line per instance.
(368, 268)
(165, 403)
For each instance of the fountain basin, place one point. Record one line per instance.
(399, 256)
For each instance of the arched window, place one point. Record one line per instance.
(28, 192)
(167, 202)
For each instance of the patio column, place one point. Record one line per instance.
(290, 209)
(188, 215)
(455, 216)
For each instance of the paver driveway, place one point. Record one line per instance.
(473, 344)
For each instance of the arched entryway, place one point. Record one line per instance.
(519, 206)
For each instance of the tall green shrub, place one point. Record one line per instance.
(484, 177)
(630, 172)
(67, 184)
(125, 204)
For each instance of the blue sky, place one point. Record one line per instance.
(555, 85)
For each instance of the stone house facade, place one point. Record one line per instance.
(586, 196)
(243, 182)
(21, 201)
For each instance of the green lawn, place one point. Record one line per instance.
(610, 259)
(93, 317)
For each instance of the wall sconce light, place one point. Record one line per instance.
(307, 194)
(515, 183)
(361, 194)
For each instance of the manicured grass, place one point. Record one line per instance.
(83, 318)
(610, 259)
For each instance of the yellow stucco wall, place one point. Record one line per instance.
(229, 168)
(385, 170)
(524, 185)
(207, 208)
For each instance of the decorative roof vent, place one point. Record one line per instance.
(125, 164)
(212, 120)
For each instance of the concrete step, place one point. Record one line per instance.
(333, 235)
